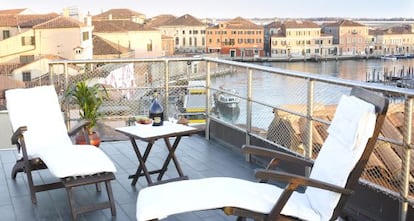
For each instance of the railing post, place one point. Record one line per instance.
(208, 97)
(67, 112)
(249, 108)
(50, 75)
(167, 89)
(309, 126)
(406, 158)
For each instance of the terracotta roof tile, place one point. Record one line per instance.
(300, 24)
(25, 21)
(60, 22)
(104, 47)
(118, 14)
(185, 20)
(160, 20)
(241, 23)
(397, 30)
(12, 11)
(343, 23)
(8, 68)
(275, 24)
(118, 26)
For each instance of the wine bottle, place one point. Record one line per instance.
(156, 112)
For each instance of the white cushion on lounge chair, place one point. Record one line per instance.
(160, 201)
(76, 160)
(46, 136)
(352, 126)
(42, 117)
(333, 165)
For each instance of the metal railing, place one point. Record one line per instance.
(289, 109)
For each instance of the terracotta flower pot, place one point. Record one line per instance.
(93, 138)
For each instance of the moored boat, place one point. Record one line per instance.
(227, 99)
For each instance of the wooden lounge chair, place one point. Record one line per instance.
(43, 142)
(352, 136)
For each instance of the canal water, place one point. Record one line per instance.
(278, 91)
(348, 69)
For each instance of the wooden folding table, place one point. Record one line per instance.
(150, 134)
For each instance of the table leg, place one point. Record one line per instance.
(171, 156)
(141, 160)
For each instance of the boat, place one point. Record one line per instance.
(389, 57)
(227, 98)
(194, 104)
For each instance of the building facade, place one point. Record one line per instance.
(351, 37)
(301, 39)
(238, 37)
(273, 28)
(397, 40)
(188, 32)
(145, 42)
(28, 38)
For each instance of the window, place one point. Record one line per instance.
(149, 46)
(177, 41)
(78, 50)
(28, 40)
(190, 41)
(195, 41)
(85, 35)
(26, 76)
(183, 32)
(6, 34)
(203, 41)
(183, 41)
(24, 59)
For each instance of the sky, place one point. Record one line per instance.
(231, 8)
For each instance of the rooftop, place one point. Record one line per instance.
(198, 157)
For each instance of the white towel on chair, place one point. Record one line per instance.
(353, 117)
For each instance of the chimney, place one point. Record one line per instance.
(88, 19)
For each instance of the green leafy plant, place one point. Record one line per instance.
(89, 99)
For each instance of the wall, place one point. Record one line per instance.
(6, 131)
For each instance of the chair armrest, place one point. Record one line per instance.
(274, 154)
(294, 181)
(78, 127)
(300, 180)
(17, 134)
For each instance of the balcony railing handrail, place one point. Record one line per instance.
(321, 78)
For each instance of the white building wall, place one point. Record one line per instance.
(137, 41)
(63, 43)
(183, 32)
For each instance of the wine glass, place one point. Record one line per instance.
(172, 117)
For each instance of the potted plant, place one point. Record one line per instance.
(89, 99)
